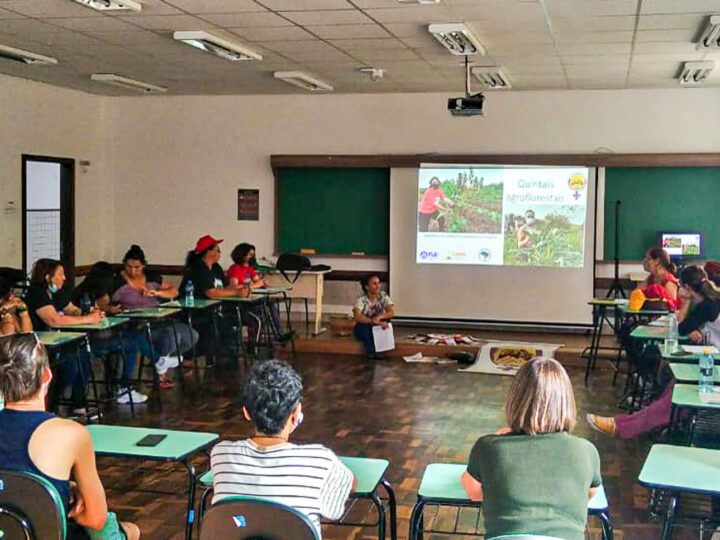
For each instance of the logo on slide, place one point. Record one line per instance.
(423, 254)
(577, 183)
(484, 254)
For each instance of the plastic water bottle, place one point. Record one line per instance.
(189, 293)
(671, 342)
(707, 366)
(85, 304)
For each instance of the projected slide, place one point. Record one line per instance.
(513, 216)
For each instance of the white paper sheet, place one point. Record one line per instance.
(384, 338)
(698, 349)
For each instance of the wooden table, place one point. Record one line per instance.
(309, 286)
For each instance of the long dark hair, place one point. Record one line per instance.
(697, 280)
(241, 251)
(659, 254)
(135, 253)
(42, 270)
(192, 256)
(365, 281)
(97, 283)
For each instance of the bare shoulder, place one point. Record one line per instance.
(63, 431)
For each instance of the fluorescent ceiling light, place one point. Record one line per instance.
(457, 38)
(303, 80)
(112, 5)
(25, 57)
(492, 77)
(205, 41)
(419, 1)
(710, 37)
(127, 83)
(695, 73)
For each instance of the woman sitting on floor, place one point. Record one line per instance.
(374, 307)
(699, 316)
(14, 316)
(504, 472)
(139, 288)
(56, 449)
(50, 304)
(307, 477)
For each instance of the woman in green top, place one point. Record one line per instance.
(533, 477)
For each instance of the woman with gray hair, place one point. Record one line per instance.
(308, 477)
(503, 472)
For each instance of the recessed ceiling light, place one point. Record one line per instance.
(695, 73)
(127, 83)
(112, 5)
(224, 48)
(457, 38)
(493, 77)
(25, 57)
(303, 80)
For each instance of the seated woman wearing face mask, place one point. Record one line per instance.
(307, 477)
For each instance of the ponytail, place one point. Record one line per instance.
(697, 280)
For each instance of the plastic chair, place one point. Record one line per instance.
(524, 537)
(245, 518)
(30, 507)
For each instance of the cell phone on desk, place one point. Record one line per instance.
(150, 440)
(680, 353)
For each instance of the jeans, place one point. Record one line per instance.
(363, 332)
(164, 340)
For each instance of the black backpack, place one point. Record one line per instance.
(294, 263)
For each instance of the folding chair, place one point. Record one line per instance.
(30, 508)
(244, 518)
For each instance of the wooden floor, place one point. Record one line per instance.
(410, 414)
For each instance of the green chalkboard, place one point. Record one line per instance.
(657, 199)
(336, 211)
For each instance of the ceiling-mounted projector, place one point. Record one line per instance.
(469, 105)
(466, 106)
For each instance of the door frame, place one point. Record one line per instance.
(67, 210)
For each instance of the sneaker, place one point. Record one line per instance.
(82, 413)
(123, 396)
(603, 424)
(166, 362)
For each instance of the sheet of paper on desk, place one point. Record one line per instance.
(711, 397)
(698, 349)
(383, 338)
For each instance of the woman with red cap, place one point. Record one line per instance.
(208, 279)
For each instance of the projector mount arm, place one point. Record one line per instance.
(468, 90)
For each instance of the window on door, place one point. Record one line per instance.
(48, 217)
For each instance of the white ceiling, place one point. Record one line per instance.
(541, 44)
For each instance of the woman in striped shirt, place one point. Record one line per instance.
(309, 478)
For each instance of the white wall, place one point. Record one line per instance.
(178, 161)
(45, 120)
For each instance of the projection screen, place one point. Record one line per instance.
(493, 243)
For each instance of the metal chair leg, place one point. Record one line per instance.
(606, 525)
(392, 507)
(416, 521)
(669, 518)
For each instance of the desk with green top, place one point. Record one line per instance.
(189, 307)
(690, 372)
(687, 396)
(440, 485)
(653, 333)
(107, 323)
(178, 446)
(678, 470)
(369, 473)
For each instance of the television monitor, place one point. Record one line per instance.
(682, 244)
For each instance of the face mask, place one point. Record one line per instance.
(53, 288)
(298, 421)
(252, 261)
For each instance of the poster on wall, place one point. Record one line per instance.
(248, 204)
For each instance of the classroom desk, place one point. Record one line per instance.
(690, 373)
(189, 307)
(686, 396)
(680, 469)
(370, 474)
(53, 340)
(178, 446)
(310, 285)
(653, 333)
(440, 485)
(106, 324)
(600, 317)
